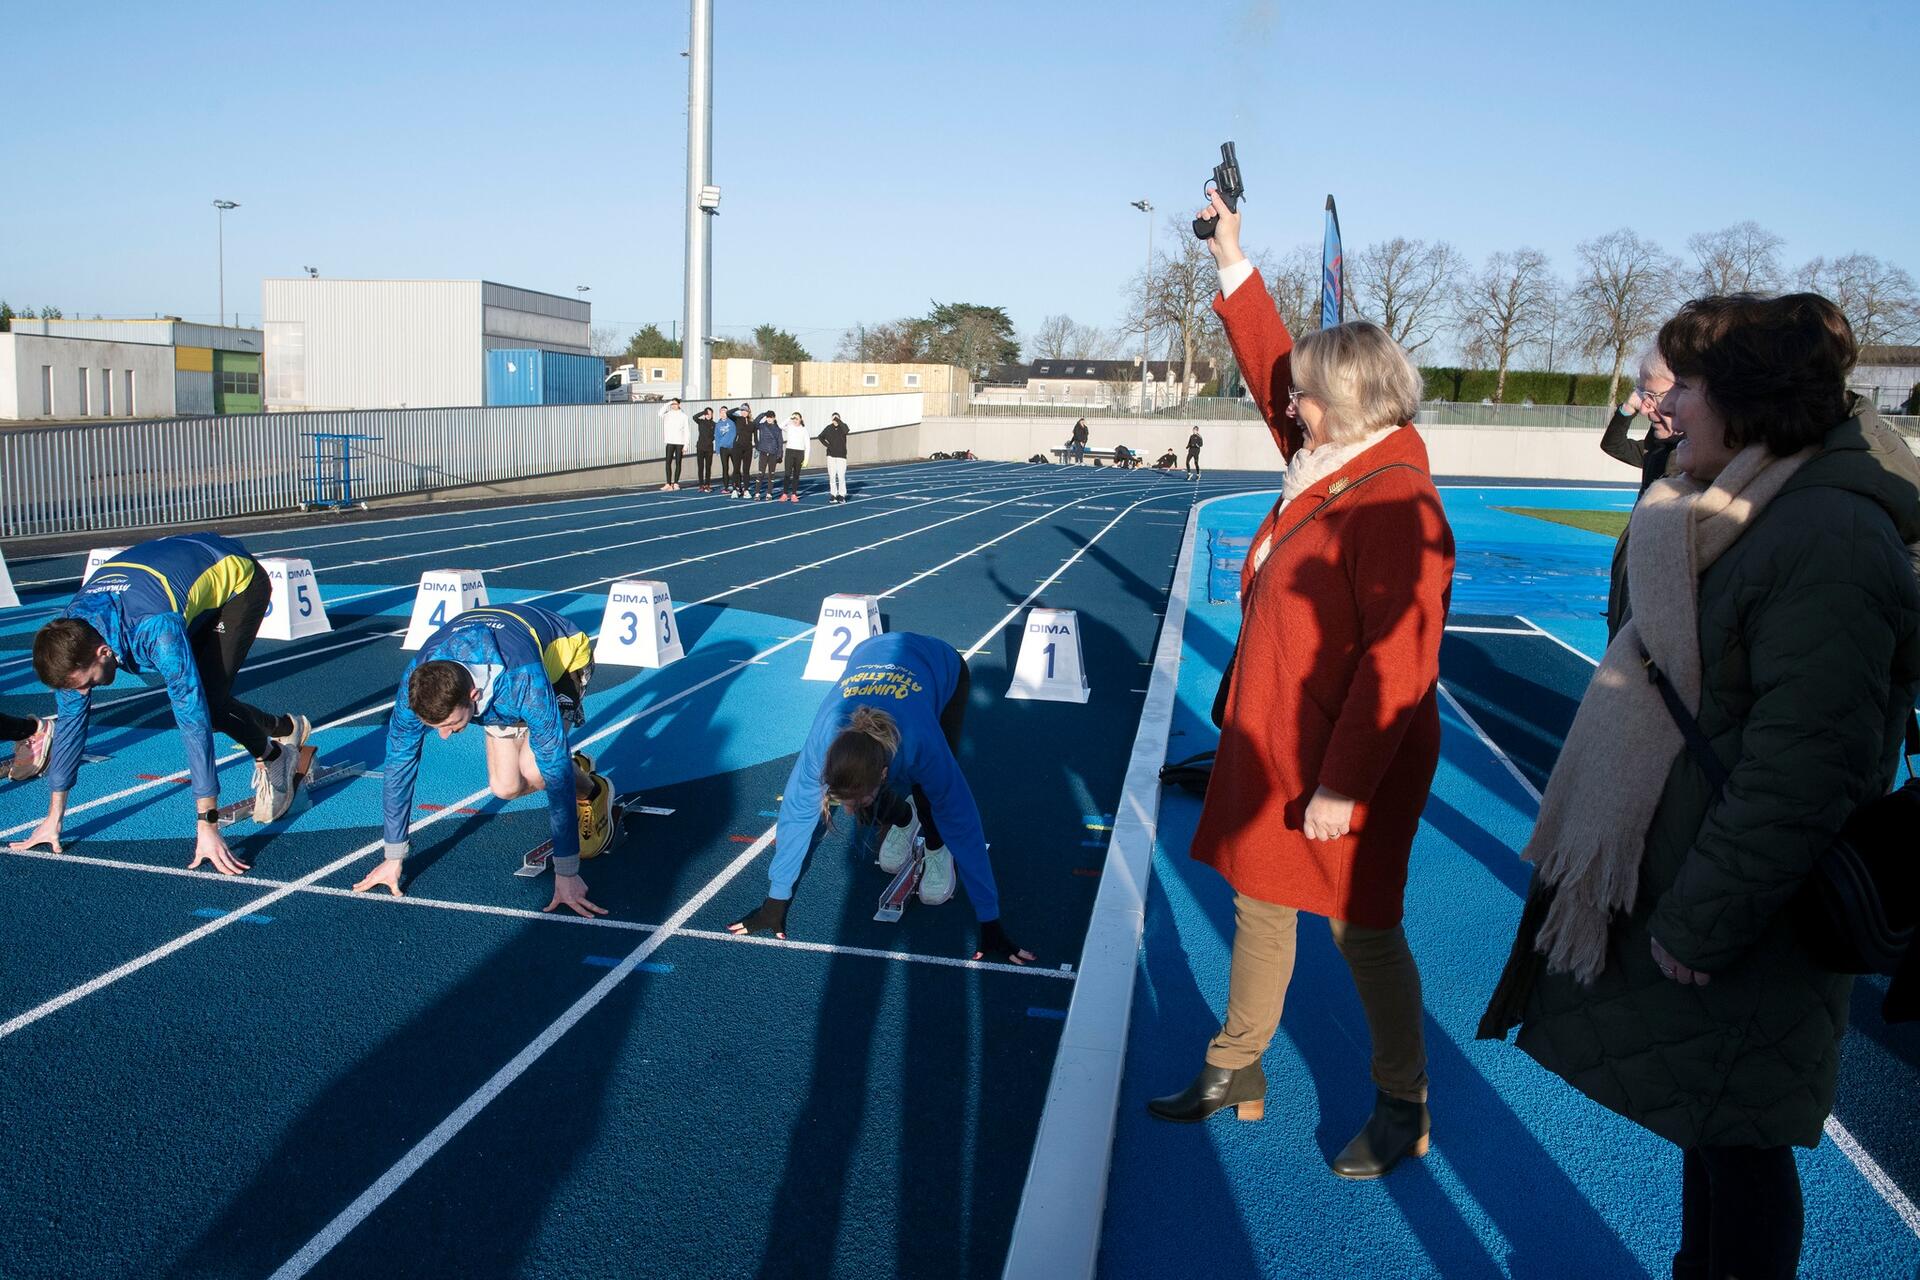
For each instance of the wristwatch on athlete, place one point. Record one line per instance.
(211, 816)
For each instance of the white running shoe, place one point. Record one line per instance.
(273, 780)
(937, 881)
(898, 844)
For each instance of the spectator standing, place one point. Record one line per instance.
(703, 447)
(796, 441)
(742, 450)
(1651, 454)
(674, 435)
(834, 437)
(1194, 444)
(1657, 968)
(769, 441)
(726, 427)
(1077, 443)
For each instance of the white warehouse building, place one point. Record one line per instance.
(414, 344)
(159, 368)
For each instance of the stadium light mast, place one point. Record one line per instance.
(221, 218)
(703, 204)
(1146, 306)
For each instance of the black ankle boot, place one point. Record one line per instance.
(1397, 1128)
(1244, 1090)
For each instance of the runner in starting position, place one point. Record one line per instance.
(891, 726)
(522, 673)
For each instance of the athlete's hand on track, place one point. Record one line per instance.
(47, 833)
(571, 892)
(770, 918)
(210, 846)
(386, 876)
(995, 945)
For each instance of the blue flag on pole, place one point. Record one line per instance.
(1333, 273)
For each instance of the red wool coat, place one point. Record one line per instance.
(1338, 669)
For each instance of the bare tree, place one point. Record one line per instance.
(1176, 300)
(1878, 298)
(1504, 309)
(606, 341)
(1059, 338)
(893, 342)
(1624, 291)
(1406, 287)
(1743, 258)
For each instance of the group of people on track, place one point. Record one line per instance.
(186, 609)
(738, 436)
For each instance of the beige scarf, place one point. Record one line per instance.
(1591, 837)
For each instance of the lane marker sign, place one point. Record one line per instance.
(9, 598)
(638, 628)
(845, 620)
(443, 595)
(97, 557)
(1049, 668)
(294, 609)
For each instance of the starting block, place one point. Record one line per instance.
(894, 901)
(638, 628)
(845, 620)
(295, 608)
(97, 557)
(306, 779)
(536, 860)
(9, 599)
(444, 595)
(1050, 667)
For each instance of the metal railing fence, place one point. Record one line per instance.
(128, 475)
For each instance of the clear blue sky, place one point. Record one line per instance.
(877, 155)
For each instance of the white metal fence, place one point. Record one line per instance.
(125, 475)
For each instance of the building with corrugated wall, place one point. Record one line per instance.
(216, 368)
(404, 344)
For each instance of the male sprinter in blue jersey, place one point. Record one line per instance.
(890, 727)
(522, 673)
(185, 609)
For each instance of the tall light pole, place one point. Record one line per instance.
(221, 218)
(1146, 305)
(703, 203)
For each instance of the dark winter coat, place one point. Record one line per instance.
(1810, 644)
(703, 423)
(834, 436)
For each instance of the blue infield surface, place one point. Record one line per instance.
(271, 1076)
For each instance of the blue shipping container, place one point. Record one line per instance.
(525, 376)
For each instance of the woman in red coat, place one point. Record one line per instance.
(1331, 727)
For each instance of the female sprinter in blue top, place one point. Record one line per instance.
(890, 726)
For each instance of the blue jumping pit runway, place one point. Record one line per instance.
(272, 1076)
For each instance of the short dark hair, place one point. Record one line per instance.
(1775, 368)
(436, 687)
(673, 399)
(63, 647)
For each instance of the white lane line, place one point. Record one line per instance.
(1494, 631)
(1540, 630)
(1876, 1177)
(1505, 760)
(521, 913)
(1056, 1235)
(425, 1149)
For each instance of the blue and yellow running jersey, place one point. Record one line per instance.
(516, 654)
(190, 574)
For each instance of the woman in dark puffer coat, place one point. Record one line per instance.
(1657, 968)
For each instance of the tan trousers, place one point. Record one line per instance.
(1383, 973)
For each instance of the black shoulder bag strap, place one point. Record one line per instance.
(1337, 492)
(1689, 727)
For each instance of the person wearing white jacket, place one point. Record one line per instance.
(677, 434)
(796, 456)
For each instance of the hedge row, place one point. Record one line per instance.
(1471, 386)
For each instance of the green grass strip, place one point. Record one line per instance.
(1609, 523)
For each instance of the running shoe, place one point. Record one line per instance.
(897, 845)
(273, 786)
(30, 756)
(937, 881)
(596, 817)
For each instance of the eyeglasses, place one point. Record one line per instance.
(1293, 395)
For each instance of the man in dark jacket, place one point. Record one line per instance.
(834, 436)
(1651, 454)
(742, 449)
(1194, 442)
(703, 447)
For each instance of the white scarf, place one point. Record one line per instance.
(1308, 467)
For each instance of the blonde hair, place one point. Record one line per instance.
(1360, 375)
(858, 757)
